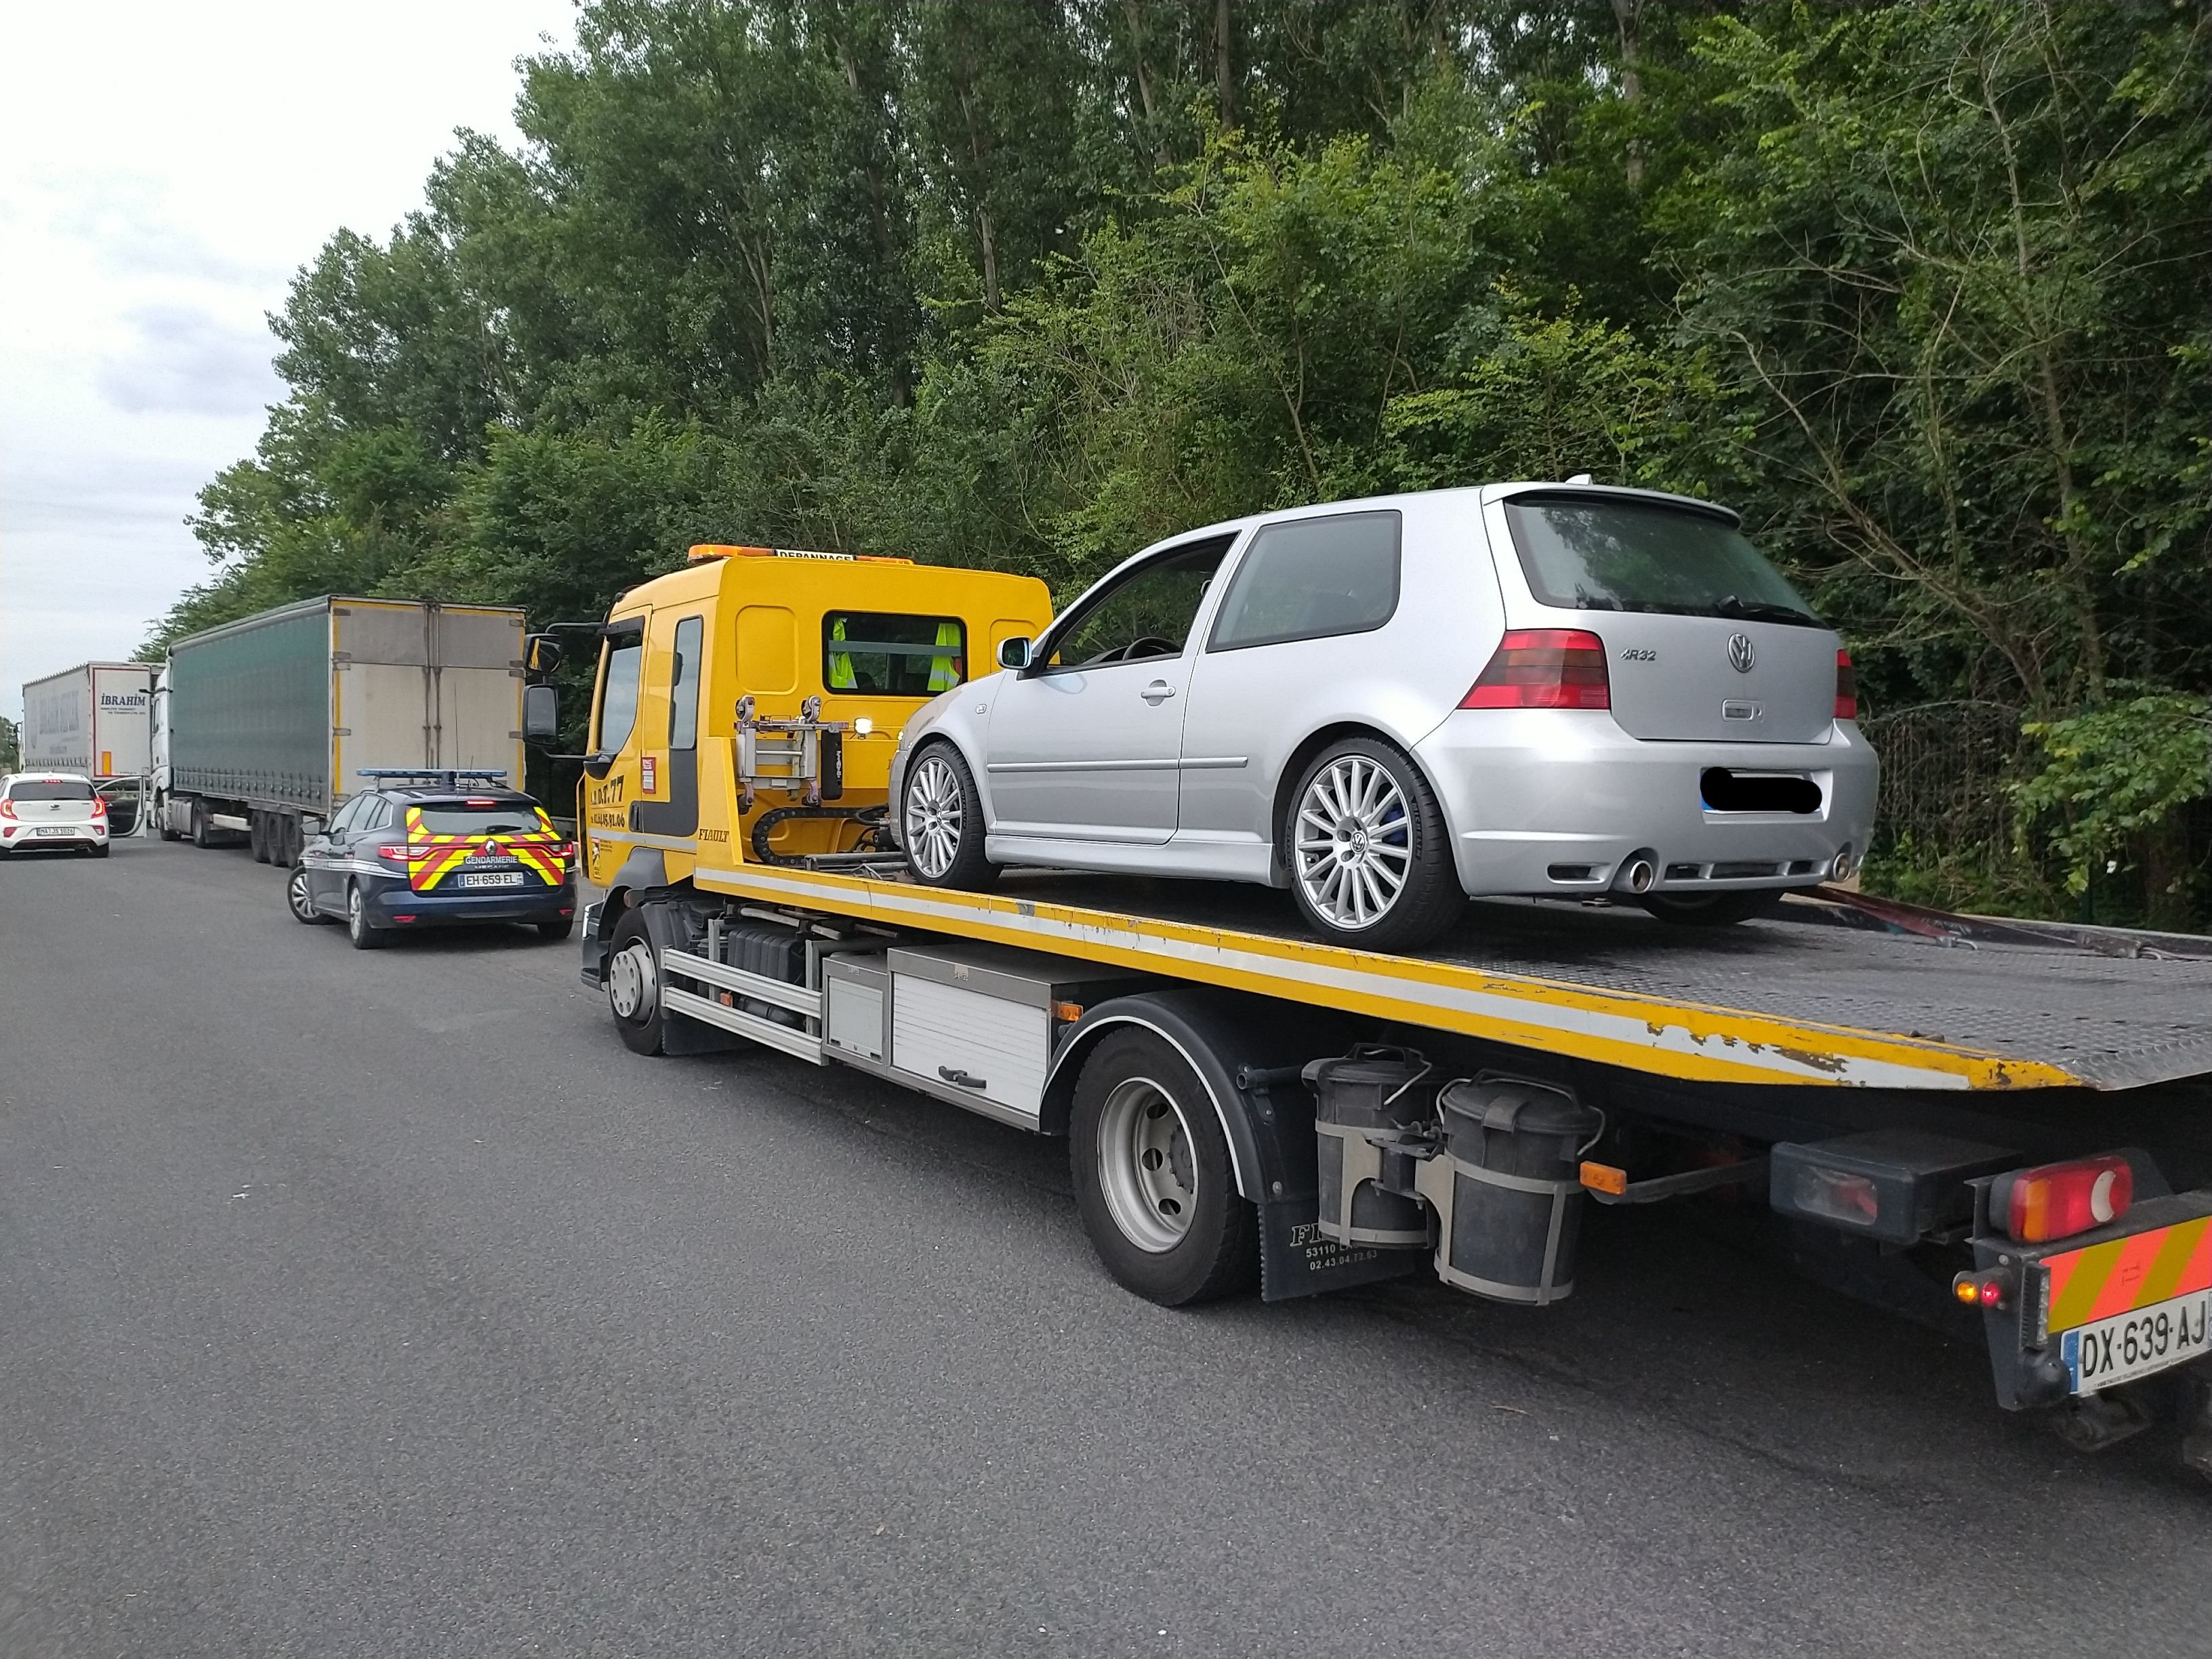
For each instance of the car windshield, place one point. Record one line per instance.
(479, 818)
(1589, 553)
(49, 789)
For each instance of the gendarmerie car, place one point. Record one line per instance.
(435, 849)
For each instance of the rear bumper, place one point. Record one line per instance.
(1553, 801)
(71, 836)
(395, 900)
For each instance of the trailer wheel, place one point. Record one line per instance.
(634, 985)
(257, 836)
(1152, 1176)
(941, 822)
(365, 935)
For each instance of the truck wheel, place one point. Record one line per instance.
(257, 836)
(1370, 858)
(203, 831)
(1153, 1177)
(365, 935)
(634, 985)
(941, 822)
(1712, 910)
(161, 819)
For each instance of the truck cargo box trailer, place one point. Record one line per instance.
(263, 723)
(92, 719)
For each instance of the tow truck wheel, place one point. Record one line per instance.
(1153, 1177)
(941, 822)
(1713, 910)
(634, 985)
(365, 935)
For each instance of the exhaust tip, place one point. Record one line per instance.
(1637, 873)
(1842, 866)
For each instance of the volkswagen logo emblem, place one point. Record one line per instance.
(1741, 653)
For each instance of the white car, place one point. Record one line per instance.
(54, 810)
(1557, 690)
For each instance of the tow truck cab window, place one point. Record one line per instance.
(683, 686)
(876, 654)
(618, 693)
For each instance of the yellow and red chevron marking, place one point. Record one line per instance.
(2122, 1274)
(432, 858)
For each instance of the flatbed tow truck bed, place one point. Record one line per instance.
(1800, 999)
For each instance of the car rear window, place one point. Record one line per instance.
(882, 653)
(460, 818)
(40, 789)
(1590, 553)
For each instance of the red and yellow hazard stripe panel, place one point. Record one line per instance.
(2122, 1274)
(432, 858)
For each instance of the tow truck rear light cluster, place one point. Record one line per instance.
(1544, 668)
(1847, 688)
(2056, 1200)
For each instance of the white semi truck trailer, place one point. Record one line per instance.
(96, 720)
(264, 725)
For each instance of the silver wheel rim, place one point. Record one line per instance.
(1147, 1165)
(632, 985)
(933, 815)
(295, 890)
(1354, 842)
(356, 917)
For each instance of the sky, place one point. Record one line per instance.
(165, 168)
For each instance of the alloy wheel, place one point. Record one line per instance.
(296, 895)
(633, 985)
(1145, 1168)
(1354, 842)
(933, 815)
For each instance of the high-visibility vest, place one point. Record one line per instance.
(944, 666)
(840, 663)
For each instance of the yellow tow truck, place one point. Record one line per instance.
(1990, 1125)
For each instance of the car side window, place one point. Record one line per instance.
(1309, 579)
(379, 815)
(1147, 615)
(343, 823)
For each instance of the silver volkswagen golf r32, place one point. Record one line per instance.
(1385, 705)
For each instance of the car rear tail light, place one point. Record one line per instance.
(2056, 1200)
(565, 851)
(1544, 668)
(99, 807)
(397, 852)
(1847, 688)
(7, 810)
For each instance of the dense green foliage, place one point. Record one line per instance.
(1925, 289)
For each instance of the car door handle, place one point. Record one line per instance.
(1156, 693)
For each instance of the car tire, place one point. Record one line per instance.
(1153, 1180)
(297, 898)
(365, 935)
(633, 981)
(941, 821)
(100, 851)
(554, 931)
(1382, 825)
(1711, 909)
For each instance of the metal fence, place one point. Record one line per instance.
(1944, 766)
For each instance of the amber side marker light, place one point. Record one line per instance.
(1604, 1178)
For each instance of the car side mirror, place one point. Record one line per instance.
(541, 712)
(1015, 653)
(541, 653)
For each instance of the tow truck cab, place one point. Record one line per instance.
(758, 693)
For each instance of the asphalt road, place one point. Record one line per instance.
(383, 1305)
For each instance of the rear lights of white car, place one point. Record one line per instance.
(1543, 668)
(1847, 688)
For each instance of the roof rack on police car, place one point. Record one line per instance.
(447, 777)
